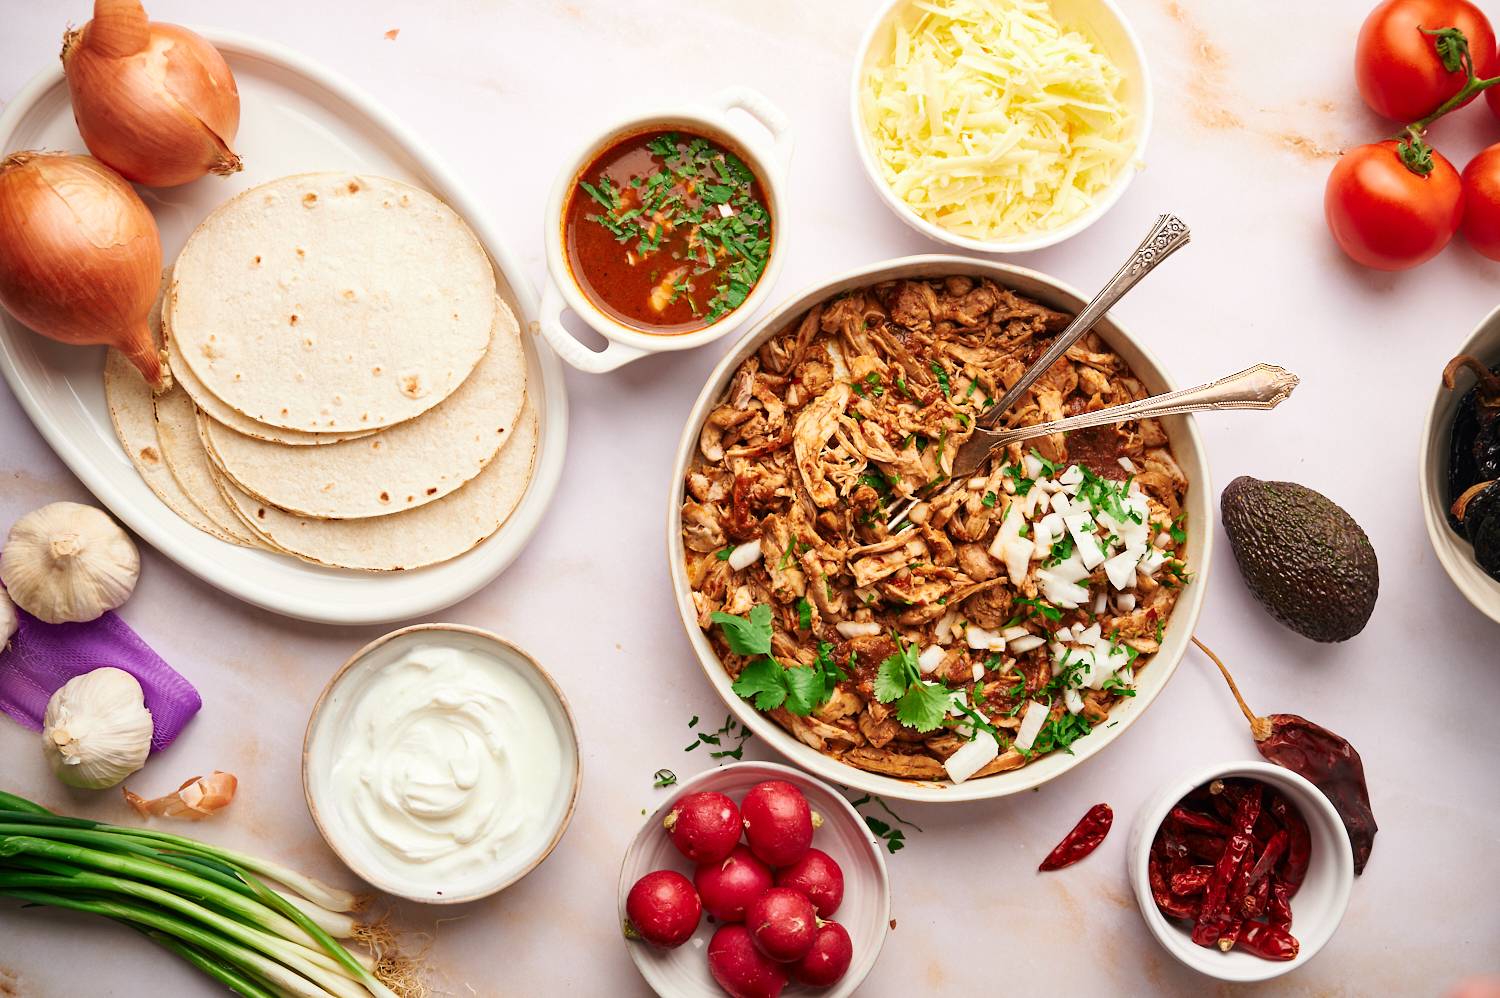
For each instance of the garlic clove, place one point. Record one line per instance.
(9, 621)
(97, 730)
(68, 562)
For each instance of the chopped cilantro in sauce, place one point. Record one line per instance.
(667, 231)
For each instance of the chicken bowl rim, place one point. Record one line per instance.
(1187, 449)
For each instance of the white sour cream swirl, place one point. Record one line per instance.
(446, 768)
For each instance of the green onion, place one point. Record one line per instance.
(205, 904)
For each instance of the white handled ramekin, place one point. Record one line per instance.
(767, 154)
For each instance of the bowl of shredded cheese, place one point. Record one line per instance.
(1000, 125)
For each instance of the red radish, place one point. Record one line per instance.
(817, 876)
(663, 909)
(728, 886)
(740, 968)
(778, 823)
(828, 960)
(705, 827)
(783, 924)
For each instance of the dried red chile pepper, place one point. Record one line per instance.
(1082, 840)
(1227, 886)
(1328, 761)
(1269, 942)
(1243, 881)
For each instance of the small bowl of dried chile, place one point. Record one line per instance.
(1242, 871)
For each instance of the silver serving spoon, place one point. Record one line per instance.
(1264, 386)
(1167, 235)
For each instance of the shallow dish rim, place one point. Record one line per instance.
(570, 735)
(1313, 804)
(774, 770)
(1187, 447)
(1455, 555)
(1020, 244)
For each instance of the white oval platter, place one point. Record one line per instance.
(296, 117)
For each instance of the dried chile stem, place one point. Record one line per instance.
(1260, 727)
(1489, 381)
(1460, 506)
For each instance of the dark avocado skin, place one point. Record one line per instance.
(1305, 559)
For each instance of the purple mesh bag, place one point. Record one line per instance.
(42, 657)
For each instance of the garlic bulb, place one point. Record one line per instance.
(97, 729)
(9, 622)
(68, 562)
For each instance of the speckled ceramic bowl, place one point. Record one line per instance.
(1316, 910)
(1187, 448)
(1098, 20)
(1453, 552)
(865, 911)
(332, 712)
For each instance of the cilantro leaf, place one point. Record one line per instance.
(897, 673)
(747, 637)
(804, 689)
(762, 679)
(924, 706)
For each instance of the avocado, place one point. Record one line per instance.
(1306, 560)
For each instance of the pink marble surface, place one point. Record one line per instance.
(1250, 99)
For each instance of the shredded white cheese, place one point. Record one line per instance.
(992, 120)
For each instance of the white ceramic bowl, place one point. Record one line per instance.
(1187, 448)
(1453, 552)
(1098, 20)
(865, 911)
(1318, 906)
(331, 714)
(768, 155)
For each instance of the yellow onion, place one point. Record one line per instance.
(80, 257)
(155, 102)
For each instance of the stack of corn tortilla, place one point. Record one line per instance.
(348, 387)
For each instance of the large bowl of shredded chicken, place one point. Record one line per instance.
(1013, 622)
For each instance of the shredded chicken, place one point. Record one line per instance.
(862, 402)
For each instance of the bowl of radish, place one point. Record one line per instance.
(753, 881)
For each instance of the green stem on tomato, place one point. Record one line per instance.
(1453, 49)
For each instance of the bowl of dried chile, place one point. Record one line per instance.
(1242, 871)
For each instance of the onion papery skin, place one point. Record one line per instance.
(80, 256)
(155, 102)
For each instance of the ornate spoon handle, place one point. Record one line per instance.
(1263, 386)
(1169, 234)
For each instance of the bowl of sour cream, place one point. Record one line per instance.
(441, 763)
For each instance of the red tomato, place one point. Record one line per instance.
(1482, 202)
(1397, 67)
(1386, 217)
(1492, 95)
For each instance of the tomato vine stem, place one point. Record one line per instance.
(1453, 49)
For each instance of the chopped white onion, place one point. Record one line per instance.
(857, 628)
(1125, 602)
(944, 630)
(1032, 465)
(1162, 539)
(1127, 464)
(745, 555)
(978, 671)
(1013, 632)
(1101, 601)
(1089, 636)
(930, 659)
(1022, 645)
(971, 757)
(980, 639)
(975, 484)
(1031, 724)
(1072, 476)
(1121, 568)
(1073, 700)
